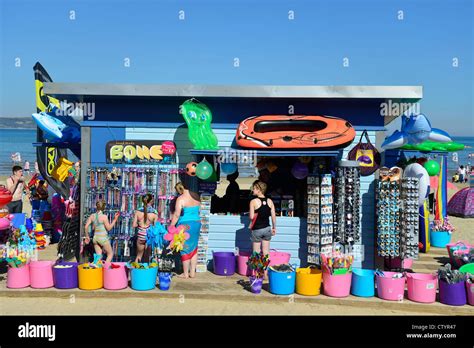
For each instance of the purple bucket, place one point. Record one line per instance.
(65, 278)
(224, 263)
(256, 285)
(452, 294)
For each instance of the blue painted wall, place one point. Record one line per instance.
(100, 136)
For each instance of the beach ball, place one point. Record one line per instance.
(432, 167)
(204, 170)
(191, 168)
(228, 168)
(299, 170)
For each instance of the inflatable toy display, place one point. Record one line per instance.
(415, 130)
(61, 170)
(198, 117)
(228, 168)
(416, 170)
(55, 128)
(5, 196)
(294, 132)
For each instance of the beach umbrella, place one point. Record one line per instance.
(462, 203)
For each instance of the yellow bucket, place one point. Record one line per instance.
(308, 281)
(90, 279)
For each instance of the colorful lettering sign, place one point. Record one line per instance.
(139, 151)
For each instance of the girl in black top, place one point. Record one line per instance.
(261, 209)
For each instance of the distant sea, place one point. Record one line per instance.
(20, 140)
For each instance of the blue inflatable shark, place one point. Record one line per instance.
(415, 130)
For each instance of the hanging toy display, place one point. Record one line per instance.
(198, 117)
(409, 219)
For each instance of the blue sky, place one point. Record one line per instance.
(272, 49)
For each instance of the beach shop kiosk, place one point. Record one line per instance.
(143, 116)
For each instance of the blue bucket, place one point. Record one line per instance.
(439, 239)
(143, 279)
(363, 282)
(282, 283)
(165, 280)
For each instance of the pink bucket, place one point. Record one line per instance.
(18, 277)
(422, 287)
(389, 288)
(41, 274)
(115, 278)
(337, 285)
(278, 257)
(470, 293)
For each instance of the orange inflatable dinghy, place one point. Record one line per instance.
(294, 132)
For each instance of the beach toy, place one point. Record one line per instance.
(308, 281)
(363, 282)
(282, 279)
(224, 263)
(467, 268)
(65, 275)
(390, 286)
(278, 257)
(60, 171)
(432, 167)
(115, 276)
(440, 239)
(228, 168)
(422, 287)
(143, 279)
(18, 277)
(396, 263)
(5, 196)
(337, 285)
(299, 170)
(256, 284)
(452, 294)
(191, 168)
(164, 280)
(204, 170)
(198, 117)
(90, 278)
(41, 274)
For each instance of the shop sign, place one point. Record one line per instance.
(139, 151)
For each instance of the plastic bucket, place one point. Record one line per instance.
(391, 289)
(467, 268)
(143, 278)
(278, 257)
(90, 279)
(224, 263)
(337, 285)
(41, 274)
(281, 283)
(115, 278)
(165, 280)
(308, 281)
(422, 287)
(470, 293)
(242, 267)
(396, 262)
(256, 285)
(439, 239)
(452, 294)
(18, 277)
(65, 278)
(363, 284)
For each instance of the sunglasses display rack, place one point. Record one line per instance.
(204, 234)
(388, 218)
(347, 205)
(320, 217)
(122, 188)
(409, 219)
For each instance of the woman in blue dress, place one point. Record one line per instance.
(186, 214)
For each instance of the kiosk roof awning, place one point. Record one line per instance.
(269, 153)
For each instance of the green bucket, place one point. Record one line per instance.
(468, 268)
